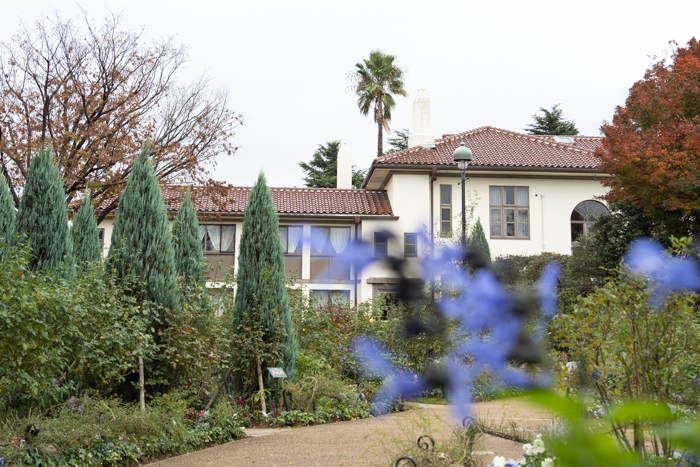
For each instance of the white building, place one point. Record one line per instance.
(533, 194)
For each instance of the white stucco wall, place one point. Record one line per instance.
(551, 202)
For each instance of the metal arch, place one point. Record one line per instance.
(425, 442)
(468, 421)
(400, 460)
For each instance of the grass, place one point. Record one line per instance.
(431, 400)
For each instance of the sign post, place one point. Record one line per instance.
(279, 373)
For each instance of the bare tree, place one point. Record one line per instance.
(95, 92)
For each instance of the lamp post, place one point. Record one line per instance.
(462, 156)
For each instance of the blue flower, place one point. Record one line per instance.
(647, 257)
(398, 383)
(547, 288)
(357, 254)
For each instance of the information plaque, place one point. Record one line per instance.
(277, 372)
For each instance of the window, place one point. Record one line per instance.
(510, 216)
(564, 139)
(218, 238)
(290, 237)
(101, 236)
(219, 243)
(410, 245)
(584, 216)
(323, 298)
(380, 245)
(445, 210)
(327, 245)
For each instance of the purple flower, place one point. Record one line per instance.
(647, 257)
(58, 381)
(71, 402)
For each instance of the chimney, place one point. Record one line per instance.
(344, 168)
(422, 134)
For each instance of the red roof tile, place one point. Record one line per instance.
(493, 147)
(310, 201)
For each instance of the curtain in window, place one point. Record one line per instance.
(228, 234)
(294, 237)
(522, 197)
(283, 238)
(339, 239)
(214, 242)
(495, 192)
(202, 231)
(319, 235)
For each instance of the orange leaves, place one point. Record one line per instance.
(103, 94)
(652, 146)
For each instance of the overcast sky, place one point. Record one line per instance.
(483, 63)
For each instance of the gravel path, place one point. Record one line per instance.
(367, 442)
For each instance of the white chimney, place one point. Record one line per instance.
(344, 169)
(422, 134)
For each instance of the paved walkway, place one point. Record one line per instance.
(373, 441)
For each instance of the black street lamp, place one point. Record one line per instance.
(462, 156)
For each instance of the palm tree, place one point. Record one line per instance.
(375, 82)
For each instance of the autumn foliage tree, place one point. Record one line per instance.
(94, 92)
(652, 146)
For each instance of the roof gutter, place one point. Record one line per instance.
(349, 216)
(502, 168)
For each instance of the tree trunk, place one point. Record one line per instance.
(142, 392)
(260, 384)
(380, 124)
(216, 393)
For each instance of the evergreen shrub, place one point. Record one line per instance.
(42, 218)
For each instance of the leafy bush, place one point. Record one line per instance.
(94, 431)
(63, 334)
(644, 353)
(327, 335)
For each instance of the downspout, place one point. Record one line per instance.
(357, 223)
(433, 177)
(542, 207)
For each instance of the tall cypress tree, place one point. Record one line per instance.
(141, 243)
(43, 216)
(261, 294)
(7, 212)
(86, 235)
(478, 242)
(188, 245)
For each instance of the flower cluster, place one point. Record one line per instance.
(535, 456)
(71, 405)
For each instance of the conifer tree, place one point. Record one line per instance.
(141, 241)
(261, 295)
(478, 242)
(42, 217)
(188, 245)
(7, 212)
(86, 235)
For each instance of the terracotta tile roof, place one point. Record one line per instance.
(493, 147)
(312, 201)
(590, 143)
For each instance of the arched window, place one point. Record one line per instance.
(584, 215)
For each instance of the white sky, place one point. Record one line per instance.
(482, 62)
